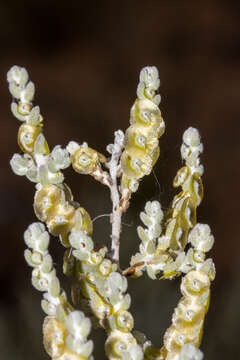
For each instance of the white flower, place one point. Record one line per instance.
(134, 353)
(78, 325)
(117, 282)
(191, 149)
(191, 137)
(184, 262)
(149, 76)
(18, 75)
(72, 147)
(190, 352)
(80, 240)
(148, 84)
(20, 164)
(36, 237)
(153, 209)
(58, 159)
(201, 238)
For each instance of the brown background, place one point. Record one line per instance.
(85, 58)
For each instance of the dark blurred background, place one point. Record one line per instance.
(84, 58)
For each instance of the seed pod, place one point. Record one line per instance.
(188, 317)
(146, 113)
(46, 200)
(141, 140)
(24, 108)
(119, 345)
(124, 321)
(195, 283)
(187, 314)
(62, 220)
(27, 136)
(54, 334)
(85, 160)
(135, 167)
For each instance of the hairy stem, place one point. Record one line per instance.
(116, 222)
(113, 165)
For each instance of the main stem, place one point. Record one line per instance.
(116, 222)
(116, 211)
(113, 165)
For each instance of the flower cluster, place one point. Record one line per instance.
(172, 243)
(41, 166)
(84, 159)
(37, 163)
(54, 205)
(188, 317)
(65, 330)
(182, 215)
(104, 291)
(184, 335)
(87, 161)
(23, 92)
(148, 259)
(141, 138)
(162, 252)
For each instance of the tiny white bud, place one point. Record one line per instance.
(72, 147)
(149, 75)
(77, 324)
(191, 137)
(59, 159)
(119, 138)
(190, 352)
(18, 75)
(201, 238)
